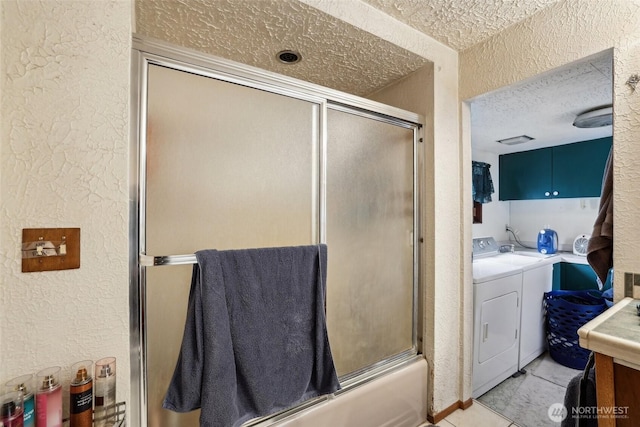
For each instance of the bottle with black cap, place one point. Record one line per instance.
(81, 395)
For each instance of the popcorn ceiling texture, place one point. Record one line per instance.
(64, 163)
(460, 24)
(334, 54)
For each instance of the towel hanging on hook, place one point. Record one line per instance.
(482, 185)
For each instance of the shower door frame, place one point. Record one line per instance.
(147, 52)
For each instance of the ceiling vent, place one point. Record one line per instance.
(515, 140)
(595, 118)
(289, 57)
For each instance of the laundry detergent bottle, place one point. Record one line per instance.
(547, 241)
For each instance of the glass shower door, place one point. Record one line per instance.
(227, 167)
(369, 229)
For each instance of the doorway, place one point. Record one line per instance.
(542, 108)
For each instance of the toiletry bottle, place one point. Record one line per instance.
(105, 392)
(81, 395)
(24, 385)
(11, 413)
(49, 398)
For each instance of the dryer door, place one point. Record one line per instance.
(498, 326)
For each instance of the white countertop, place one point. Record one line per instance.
(560, 257)
(615, 333)
(572, 258)
(505, 264)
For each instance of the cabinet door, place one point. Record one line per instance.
(525, 175)
(578, 168)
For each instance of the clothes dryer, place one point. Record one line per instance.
(496, 302)
(497, 291)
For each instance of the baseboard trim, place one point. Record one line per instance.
(435, 419)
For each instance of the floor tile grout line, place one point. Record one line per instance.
(548, 380)
(494, 411)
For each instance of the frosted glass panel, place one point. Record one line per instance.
(168, 289)
(227, 167)
(369, 236)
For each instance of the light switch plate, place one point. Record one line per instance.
(69, 249)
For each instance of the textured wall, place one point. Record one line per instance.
(565, 32)
(64, 163)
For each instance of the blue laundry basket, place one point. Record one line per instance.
(566, 312)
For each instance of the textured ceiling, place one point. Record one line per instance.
(460, 23)
(340, 56)
(334, 54)
(544, 107)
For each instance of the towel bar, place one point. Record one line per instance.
(150, 261)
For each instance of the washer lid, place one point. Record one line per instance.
(487, 269)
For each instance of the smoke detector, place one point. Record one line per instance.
(595, 118)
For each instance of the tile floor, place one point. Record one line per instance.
(477, 415)
(526, 399)
(517, 402)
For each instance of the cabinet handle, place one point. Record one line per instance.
(555, 193)
(485, 331)
(546, 193)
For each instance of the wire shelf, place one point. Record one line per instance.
(120, 414)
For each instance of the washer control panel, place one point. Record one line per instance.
(484, 246)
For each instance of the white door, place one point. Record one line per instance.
(533, 341)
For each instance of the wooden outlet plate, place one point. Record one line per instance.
(71, 238)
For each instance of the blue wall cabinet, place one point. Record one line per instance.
(565, 171)
(526, 175)
(576, 277)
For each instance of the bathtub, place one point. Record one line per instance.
(396, 399)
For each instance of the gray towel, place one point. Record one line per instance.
(255, 340)
(581, 393)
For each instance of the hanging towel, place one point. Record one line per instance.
(482, 185)
(255, 341)
(600, 246)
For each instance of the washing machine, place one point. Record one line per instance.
(497, 288)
